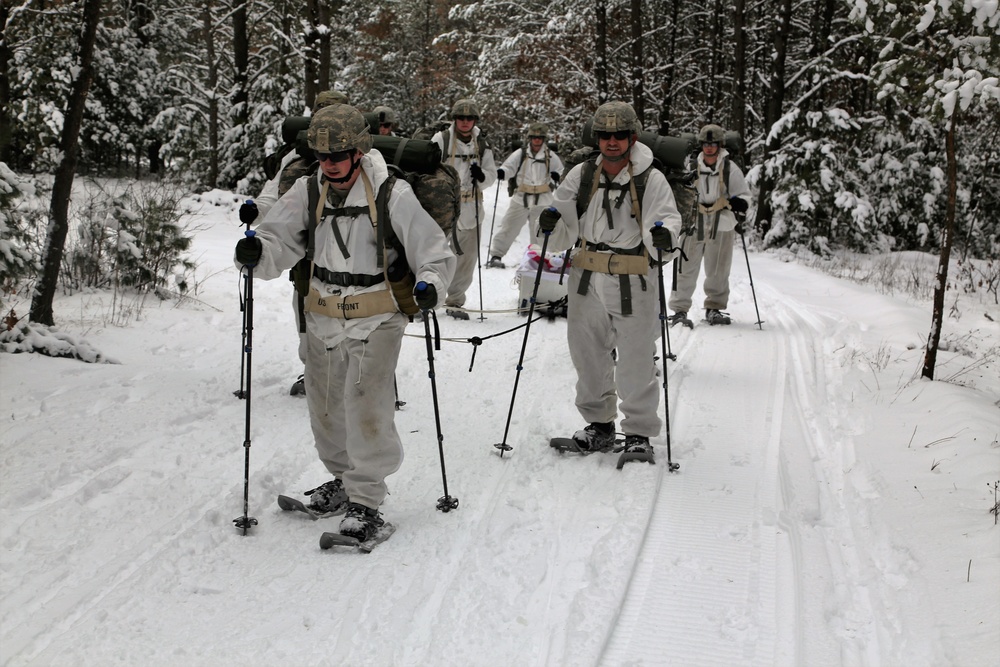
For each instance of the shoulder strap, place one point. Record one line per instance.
(312, 204)
(385, 235)
(524, 156)
(586, 186)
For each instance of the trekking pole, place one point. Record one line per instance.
(503, 446)
(395, 388)
(494, 220)
(752, 290)
(239, 393)
(244, 522)
(671, 466)
(479, 250)
(445, 503)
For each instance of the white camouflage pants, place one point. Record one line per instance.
(513, 221)
(718, 257)
(468, 241)
(595, 328)
(352, 406)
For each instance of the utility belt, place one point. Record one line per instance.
(345, 279)
(710, 214)
(351, 307)
(620, 261)
(534, 189)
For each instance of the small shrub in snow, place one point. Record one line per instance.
(33, 337)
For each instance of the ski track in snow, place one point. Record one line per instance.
(762, 549)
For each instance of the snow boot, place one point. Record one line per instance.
(596, 437)
(716, 316)
(636, 448)
(298, 387)
(495, 263)
(681, 317)
(457, 313)
(361, 522)
(329, 498)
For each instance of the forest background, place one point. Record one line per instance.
(868, 125)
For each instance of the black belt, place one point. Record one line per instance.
(604, 247)
(345, 279)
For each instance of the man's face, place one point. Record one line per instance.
(614, 145)
(336, 165)
(710, 148)
(536, 143)
(464, 124)
(385, 129)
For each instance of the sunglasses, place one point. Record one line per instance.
(465, 118)
(710, 143)
(535, 136)
(620, 135)
(387, 126)
(338, 156)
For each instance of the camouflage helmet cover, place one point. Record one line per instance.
(712, 134)
(329, 98)
(465, 107)
(538, 130)
(614, 117)
(340, 127)
(385, 114)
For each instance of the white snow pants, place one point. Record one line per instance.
(595, 328)
(352, 404)
(514, 219)
(718, 256)
(468, 241)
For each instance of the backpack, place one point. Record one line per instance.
(427, 132)
(293, 134)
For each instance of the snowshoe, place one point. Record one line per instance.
(457, 313)
(715, 316)
(330, 540)
(636, 448)
(681, 317)
(495, 263)
(595, 437)
(298, 387)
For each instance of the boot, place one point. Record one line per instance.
(328, 498)
(716, 316)
(361, 522)
(495, 263)
(596, 437)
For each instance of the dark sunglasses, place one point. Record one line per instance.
(338, 156)
(535, 136)
(387, 126)
(620, 135)
(710, 143)
(465, 118)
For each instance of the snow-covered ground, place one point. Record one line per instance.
(830, 507)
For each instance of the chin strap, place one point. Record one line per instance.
(343, 179)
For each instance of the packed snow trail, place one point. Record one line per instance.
(773, 543)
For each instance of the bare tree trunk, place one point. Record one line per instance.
(775, 102)
(937, 315)
(62, 187)
(739, 96)
(638, 68)
(667, 87)
(317, 37)
(5, 58)
(213, 100)
(601, 64)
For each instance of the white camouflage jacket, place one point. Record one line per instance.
(458, 149)
(284, 235)
(657, 205)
